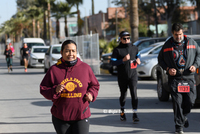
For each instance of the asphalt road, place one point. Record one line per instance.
(24, 111)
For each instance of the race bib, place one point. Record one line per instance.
(183, 88)
(133, 64)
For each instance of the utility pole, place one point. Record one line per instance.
(92, 7)
(156, 24)
(104, 29)
(116, 22)
(49, 22)
(86, 26)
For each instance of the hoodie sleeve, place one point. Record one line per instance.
(197, 59)
(114, 61)
(47, 88)
(93, 88)
(161, 59)
(138, 54)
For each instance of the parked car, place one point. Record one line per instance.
(149, 62)
(31, 42)
(105, 61)
(36, 58)
(141, 44)
(144, 43)
(52, 55)
(163, 90)
(150, 49)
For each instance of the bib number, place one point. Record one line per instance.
(183, 88)
(133, 64)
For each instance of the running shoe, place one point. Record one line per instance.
(135, 118)
(179, 132)
(25, 70)
(186, 124)
(122, 116)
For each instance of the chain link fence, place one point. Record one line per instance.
(88, 48)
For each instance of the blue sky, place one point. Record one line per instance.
(9, 8)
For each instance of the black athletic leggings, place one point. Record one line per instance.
(71, 127)
(132, 84)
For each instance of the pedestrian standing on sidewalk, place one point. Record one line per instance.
(25, 54)
(180, 56)
(8, 54)
(126, 57)
(71, 85)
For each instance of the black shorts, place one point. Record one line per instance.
(25, 57)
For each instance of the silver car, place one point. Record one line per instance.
(148, 65)
(151, 49)
(36, 58)
(52, 55)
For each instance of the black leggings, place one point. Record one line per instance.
(132, 84)
(71, 127)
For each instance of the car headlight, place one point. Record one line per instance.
(54, 59)
(144, 62)
(33, 57)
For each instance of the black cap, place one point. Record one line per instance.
(124, 33)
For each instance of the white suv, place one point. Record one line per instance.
(31, 42)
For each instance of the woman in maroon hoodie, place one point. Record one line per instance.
(71, 85)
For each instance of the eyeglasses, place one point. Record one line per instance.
(126, 38)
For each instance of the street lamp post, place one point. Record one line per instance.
(116, 21)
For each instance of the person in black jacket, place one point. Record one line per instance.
(8, 54)
(25, 54)
(126, 57)
(180, 56)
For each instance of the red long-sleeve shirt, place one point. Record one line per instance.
(79, 79)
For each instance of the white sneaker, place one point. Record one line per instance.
(179, 132)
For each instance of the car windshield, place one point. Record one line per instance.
(198, 42)
(34, 44)
(146, 49)
(40, 50)
(157, 51)
(56, 50)
(136, 43)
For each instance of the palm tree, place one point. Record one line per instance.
(66, 11)
(92, 7)
(19, 23)
(57, 14)
(134, 19)
(44, 5)
(34, 14)
(79, 21)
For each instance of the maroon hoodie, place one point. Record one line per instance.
(79, 79)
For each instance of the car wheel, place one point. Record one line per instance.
(111, 71)
(45, 69)
(163, 95)
(153, 73)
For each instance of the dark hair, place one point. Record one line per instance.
(66, 42)
(177, 27)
